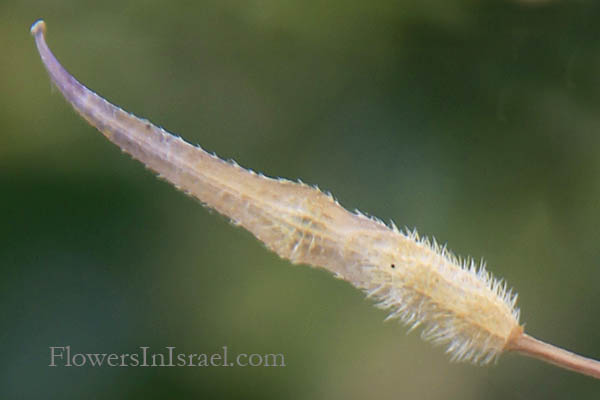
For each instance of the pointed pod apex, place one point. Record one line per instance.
(38, 27)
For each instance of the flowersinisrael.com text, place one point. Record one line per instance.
(64, 356)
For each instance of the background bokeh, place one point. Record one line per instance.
(477, 122)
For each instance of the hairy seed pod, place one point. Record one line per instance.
(458, 303)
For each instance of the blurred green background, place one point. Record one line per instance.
(476, 122)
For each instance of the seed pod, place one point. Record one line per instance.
(458, 303)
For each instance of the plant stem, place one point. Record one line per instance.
(533, 347)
